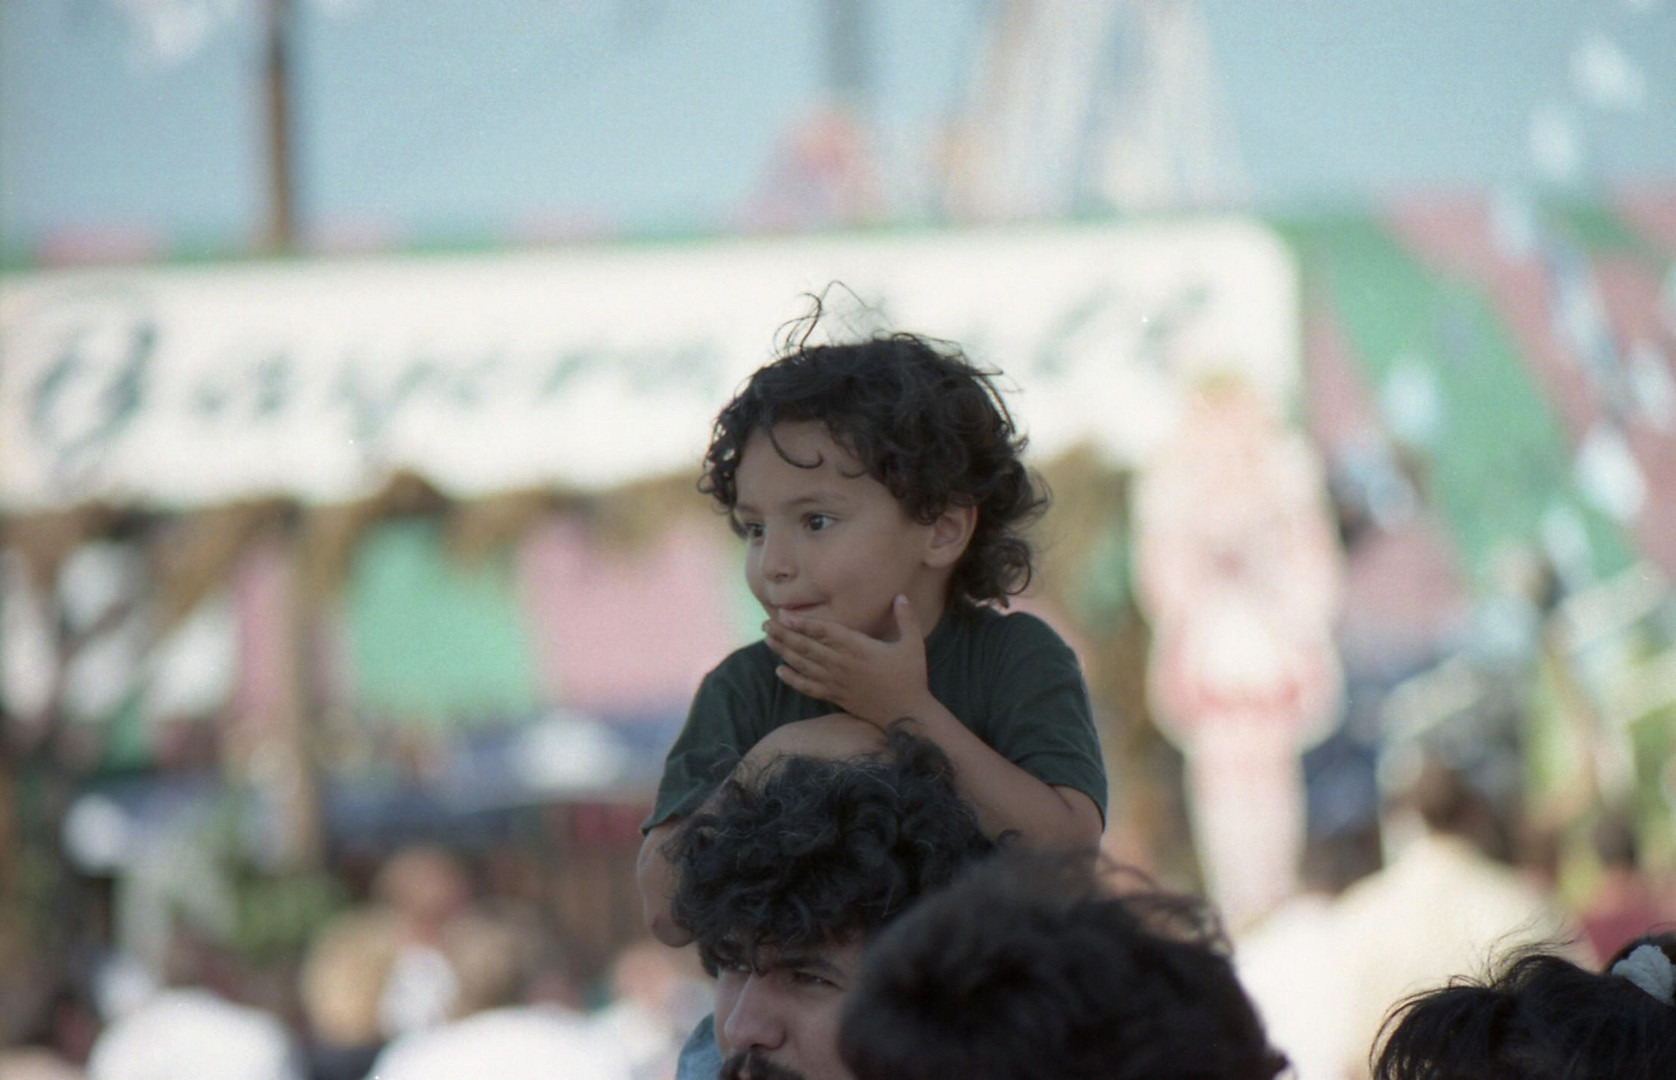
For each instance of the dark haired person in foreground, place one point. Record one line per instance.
(786, 874)
(1034, 967)
(1544, 1018)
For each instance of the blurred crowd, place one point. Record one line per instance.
(427, 977)
(436, 973)
(1327, 966)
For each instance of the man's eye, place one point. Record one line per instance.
(817, 522)
(809, 978)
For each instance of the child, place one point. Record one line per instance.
(879, 491)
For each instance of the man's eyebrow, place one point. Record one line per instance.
(810, 962)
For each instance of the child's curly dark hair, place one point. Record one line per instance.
(923, 420)
(814, 850)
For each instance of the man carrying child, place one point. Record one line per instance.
(784, 876)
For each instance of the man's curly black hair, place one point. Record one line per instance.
(922, 420)
(1539, 1017)
(814, 851)
(1032, 968)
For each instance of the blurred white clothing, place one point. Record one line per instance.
(30, 1063)
(191, 1034)
(528, 1042)
(1288, 964)
(1440, 909)
(419, 992)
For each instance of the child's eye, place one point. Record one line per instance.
(817, 522)
(751, 530)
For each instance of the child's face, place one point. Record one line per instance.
(829, 542)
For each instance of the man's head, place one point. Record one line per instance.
(912, 417)
(783, 878)
(1538, 1016)
(1030, 968)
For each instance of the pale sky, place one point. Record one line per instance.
(423, 121)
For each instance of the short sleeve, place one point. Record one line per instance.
(1042, 719)
(723, 722)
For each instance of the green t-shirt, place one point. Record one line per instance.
(1009, 678)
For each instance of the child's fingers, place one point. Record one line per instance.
(779, 640)
(907, 623)
(824, 630)
(806, 657)
(800, 682)
(789, 643)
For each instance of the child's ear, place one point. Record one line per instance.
(950, 534)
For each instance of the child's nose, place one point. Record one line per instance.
(778, 563)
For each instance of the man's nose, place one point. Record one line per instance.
(755, 1021)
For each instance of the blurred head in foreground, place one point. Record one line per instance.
(1035, 967)
(783, 878)
(1542, 1017)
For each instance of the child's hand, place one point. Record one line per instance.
(873, 680)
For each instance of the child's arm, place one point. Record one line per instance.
(833, 736)
(885, 681)
(1007, 798)
(656, 878)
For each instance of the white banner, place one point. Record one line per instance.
(187, 385)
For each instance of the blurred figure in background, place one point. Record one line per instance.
(658, 997)
(421, 953)
(517, 1042)
(1440, 906)
(192, 1029)
(1541, 1017)
(55, 1038)
(525, 1029)
(1625, 904)
(1289, 961)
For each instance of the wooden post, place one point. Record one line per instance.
(272, 744)
(281, 233)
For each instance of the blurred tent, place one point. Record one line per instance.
(481, 460)
(430, 498)
(346, 533)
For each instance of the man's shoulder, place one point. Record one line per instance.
(700, 1058)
